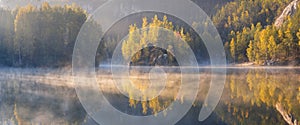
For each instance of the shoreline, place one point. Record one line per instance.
(68, 70)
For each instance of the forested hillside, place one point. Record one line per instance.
(248, 31)
(44, 35)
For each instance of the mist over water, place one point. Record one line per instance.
(44, 97)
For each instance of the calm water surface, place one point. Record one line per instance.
(251, 96)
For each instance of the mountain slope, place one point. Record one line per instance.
(288, 11)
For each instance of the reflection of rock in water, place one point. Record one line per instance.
(286, 116)
(250, 97)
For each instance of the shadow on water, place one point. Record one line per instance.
(251, 96)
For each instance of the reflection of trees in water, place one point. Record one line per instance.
(167, 96)
(156, 104)
(250, 97)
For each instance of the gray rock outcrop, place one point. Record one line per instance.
(288, 11)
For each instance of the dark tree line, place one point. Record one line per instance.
(39, 37)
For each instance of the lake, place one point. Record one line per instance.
(252, 96)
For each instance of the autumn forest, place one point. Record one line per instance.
(44, 36)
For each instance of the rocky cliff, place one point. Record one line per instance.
(288, 11)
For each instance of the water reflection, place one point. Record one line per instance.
(23, 103)
(251, 96)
